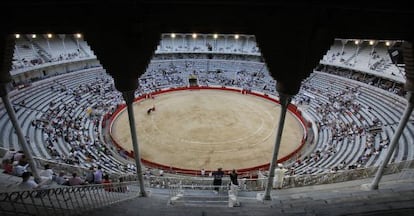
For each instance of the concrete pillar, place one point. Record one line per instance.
(284, 102)
(7, 42)
(129, 98)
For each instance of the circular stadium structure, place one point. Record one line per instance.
(206, 101)
(349, 107)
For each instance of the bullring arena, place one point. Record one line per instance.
(193, 129)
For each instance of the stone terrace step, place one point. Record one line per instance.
(394, 197)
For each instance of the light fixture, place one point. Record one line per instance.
(356, 42)
(78, 35)
(172, 35)
(17, 36)
(33, 35)
(49, 35)
(387, 43)
(371, 42)
(215, 36)
(236, 36)
(194, 35)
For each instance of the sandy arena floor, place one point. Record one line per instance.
(208, 129)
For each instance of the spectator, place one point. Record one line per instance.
(97, 175)
(107, 183)
(47, 174)
(279, 176)
(10, 155)
(122, 187)
(28, 183)
(233, 177)
(18, 156)
(217, 175)
(61, 179)
(7, 166)
(20, 168)
(75, 180)
(90, 175)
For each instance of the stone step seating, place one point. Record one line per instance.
(37, 99)
(380, 110)
(394, 197)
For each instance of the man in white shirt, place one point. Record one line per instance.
(279, 176)
(20, 168)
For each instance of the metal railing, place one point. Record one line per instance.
(198, 194)
(66, 200)
(59, 166)
(258, 184)
(343, 176)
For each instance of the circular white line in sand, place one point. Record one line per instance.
(208, 129)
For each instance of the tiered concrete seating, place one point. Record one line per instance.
(372, 59)
(224, 43)
(40, 50)
(376, 103)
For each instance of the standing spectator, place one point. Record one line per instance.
(203, 172)
(233, 177)
(262, 179)
(279, 176)
(217, 175)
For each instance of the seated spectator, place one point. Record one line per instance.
(28, 183)
(7, 166)
(90, 176)
(10, 155)
(20, 168)
(61, 179)
(18, 156)
(47, 174)
(107, 183)
(122, 188)
(97, 176)
(123, 153)
(75, 180)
